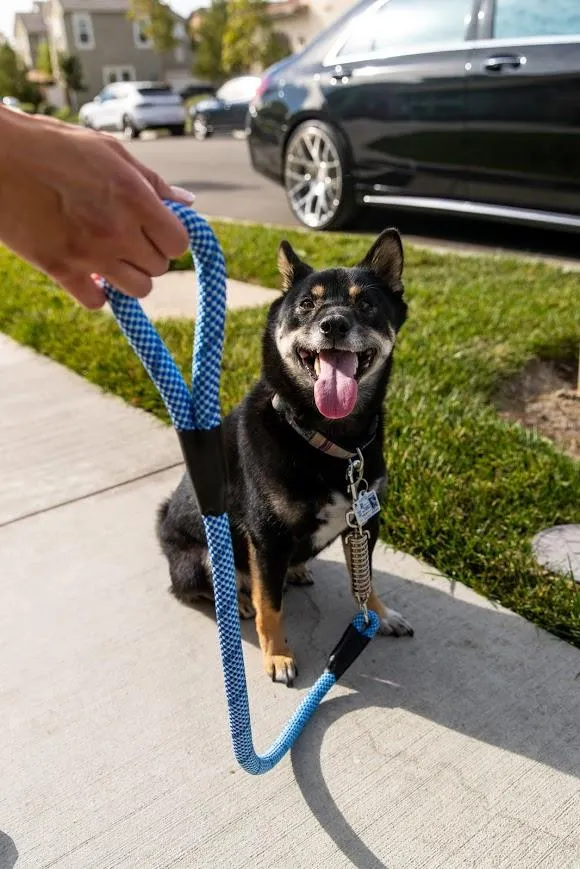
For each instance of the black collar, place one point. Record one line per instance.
(318, 440)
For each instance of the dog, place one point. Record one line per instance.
(327, 353)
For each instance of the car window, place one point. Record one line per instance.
(107, 93)
(528, 18)
(400, 24)
(238, 89)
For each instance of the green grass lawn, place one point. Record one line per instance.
(467, 491)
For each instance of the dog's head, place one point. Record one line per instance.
(330, 337)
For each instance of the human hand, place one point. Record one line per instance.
(75, 204)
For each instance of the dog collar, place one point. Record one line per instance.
(315, 438)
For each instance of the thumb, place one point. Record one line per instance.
(161, 187)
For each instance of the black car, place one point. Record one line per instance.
(469, 106)
(225, 112)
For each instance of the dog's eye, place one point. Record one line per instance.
(365, 306)
(307, 304)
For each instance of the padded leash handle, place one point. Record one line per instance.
(196, 416)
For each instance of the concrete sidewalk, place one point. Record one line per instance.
(459, 748)
(174, 295)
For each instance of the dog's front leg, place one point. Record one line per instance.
(393, 624)
(267, 571)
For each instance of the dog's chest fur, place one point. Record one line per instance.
(332, 517)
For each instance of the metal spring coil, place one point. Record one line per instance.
(360, 567)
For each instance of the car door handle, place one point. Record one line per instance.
(340, 75)
(497, 62)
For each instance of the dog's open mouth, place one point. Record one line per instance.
(336, 374)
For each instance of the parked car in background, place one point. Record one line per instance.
(225, 112)
(465, 106)
(11, 103)
(133, 106)
(197, 89)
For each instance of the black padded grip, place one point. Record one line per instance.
(205, 459)
(346, 651)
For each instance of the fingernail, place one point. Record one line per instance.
(180, 194)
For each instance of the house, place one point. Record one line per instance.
(301, 20)
(109, 45)
(29, 32)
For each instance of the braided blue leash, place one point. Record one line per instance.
(199, 411)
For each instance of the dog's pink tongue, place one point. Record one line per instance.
(335, 391)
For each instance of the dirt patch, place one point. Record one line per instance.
(543, 397)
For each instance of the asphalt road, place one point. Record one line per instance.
(219, 172)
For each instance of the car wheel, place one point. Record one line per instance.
(200, 131)
(318, 186)
(130, 131)
(177, 131)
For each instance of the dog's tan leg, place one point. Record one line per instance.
(278, 659)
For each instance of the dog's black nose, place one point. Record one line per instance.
(335, 326)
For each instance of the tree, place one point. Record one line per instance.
(245, 35)
(72, 77)
(209, 43)
(157, 21)
(43, 58)
(276, 47)
(13, 80)
(249, 40)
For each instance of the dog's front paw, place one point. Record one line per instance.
(299, 575)
(281, 668)
(393, 624)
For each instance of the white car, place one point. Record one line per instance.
(133, 106)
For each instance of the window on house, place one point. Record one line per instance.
(82, 25)
(141, 35)
(112, 74)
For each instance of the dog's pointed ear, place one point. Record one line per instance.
(385, 259)
(291, 266)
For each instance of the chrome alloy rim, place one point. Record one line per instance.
(313, 177)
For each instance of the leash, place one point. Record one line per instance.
(196, 417)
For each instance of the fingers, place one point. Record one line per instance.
(161, 226)
(83, 288)
(129, 279)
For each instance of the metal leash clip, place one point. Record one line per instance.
(357, 542)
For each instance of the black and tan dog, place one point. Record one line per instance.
(327, 356)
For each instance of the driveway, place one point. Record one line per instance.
(219, 172)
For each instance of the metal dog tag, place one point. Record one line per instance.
(366, 506)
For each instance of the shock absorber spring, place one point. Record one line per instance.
(360, 567)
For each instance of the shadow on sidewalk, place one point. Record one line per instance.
(8, 852)
(481, 672)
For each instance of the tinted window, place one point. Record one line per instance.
(399, 24)
(155, 91)
(521, 18)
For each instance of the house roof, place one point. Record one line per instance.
(95, 5)
(32, 21)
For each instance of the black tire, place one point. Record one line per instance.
(200, 131)
(347, 206)
(177, 130)
(129, 129)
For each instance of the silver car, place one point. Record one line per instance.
(133, 106)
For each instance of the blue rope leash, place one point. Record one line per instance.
(198, 413)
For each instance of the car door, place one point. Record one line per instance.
(395, 83)
(106, 117)
(524, 105)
